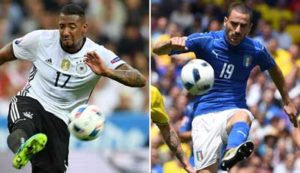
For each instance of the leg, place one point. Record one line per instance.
(207, 142)
(238, 127)
(54, 158)
(210, 169)
(22, 139)
(237, 147)
(16, 138)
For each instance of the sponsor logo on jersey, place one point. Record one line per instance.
(49, 61)
(116, 59)
(65, 64)
(241, 132)
(28, 115)
(81, 68)
(247, 60)
(215, 53)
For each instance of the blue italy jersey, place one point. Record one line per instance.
(186, 123)
(232, 66)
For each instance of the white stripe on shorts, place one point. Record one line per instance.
(14, 110)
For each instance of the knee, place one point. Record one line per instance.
(27, 126)
(243, 116)
(239, 116)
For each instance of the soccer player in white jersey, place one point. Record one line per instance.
(221, 115)
(66, 67)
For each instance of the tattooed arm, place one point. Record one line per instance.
(129, 76)
(124, 74)
(173, 142)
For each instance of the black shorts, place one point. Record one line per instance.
(28, 113)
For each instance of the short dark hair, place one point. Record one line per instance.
(240, 7)
(73, 9)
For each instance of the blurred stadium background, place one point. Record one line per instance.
(119, 25)
(277, 26)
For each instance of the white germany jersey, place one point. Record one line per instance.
(59, 80)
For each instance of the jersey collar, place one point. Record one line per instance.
(84, 39)
(227, 42)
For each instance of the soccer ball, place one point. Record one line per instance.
(197, 76)
(86, 122)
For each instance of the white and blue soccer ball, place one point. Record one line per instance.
(86, 122)
(197, 76)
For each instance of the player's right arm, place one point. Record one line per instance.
(6, 54)
(175, 43)
(161, 119)
(193, 43)
(172, 140)
(21, 48)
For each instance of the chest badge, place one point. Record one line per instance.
(247, 60)
(81, 68)
(65, 64)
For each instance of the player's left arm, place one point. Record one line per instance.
(289, 107)
(124, 74)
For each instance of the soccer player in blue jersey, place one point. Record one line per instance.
(221, 115)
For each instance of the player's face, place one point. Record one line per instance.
(72, 30)
(237, 26)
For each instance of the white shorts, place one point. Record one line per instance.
(209, 134)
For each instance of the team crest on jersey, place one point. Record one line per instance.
(81, 68)
(65, 64)
(247, 60)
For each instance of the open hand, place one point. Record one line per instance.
(94, 61)
(291, 111)
(178, 43)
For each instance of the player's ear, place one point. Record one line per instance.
(84, 28)
(250, 27)
(225, 21)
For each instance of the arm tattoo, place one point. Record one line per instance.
(129, 76)
(173, 142)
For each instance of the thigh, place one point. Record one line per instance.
(28, 114)
(22, 115)
(210, 169)
(54, 158)
(207, 142)
(238, 115)
(231, 120)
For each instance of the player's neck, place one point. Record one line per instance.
(74, 49)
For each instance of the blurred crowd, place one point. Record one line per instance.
(121, 26)
(276, 24)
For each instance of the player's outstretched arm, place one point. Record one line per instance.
(124, 74)
(175, 43)
(288, 106)
(6, 54)
(173, 142)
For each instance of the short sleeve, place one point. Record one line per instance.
(110, 58)
(27, 46)
(197, 41)
(158, 113)
(265, 60)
